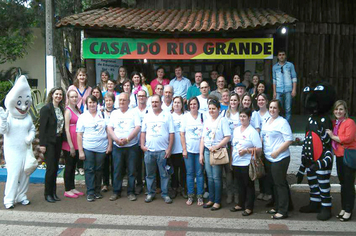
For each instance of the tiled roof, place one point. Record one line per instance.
(147, 20)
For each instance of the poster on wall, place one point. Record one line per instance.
(111, 65)
(178, 49)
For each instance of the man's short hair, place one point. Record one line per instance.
(167, 86)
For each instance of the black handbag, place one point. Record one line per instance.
(350, 158)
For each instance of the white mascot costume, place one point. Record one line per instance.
(18, 130)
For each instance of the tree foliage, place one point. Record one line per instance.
(15, 30)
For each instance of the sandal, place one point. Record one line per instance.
(200, 201)
(234, 209)
(190, 201)
(278, 216)
(247, 212)
(272, 211)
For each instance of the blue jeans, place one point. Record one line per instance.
(214, 174)
(93, 166)
(194, 169)
(151, 158)
(124, 158)
(286, 100)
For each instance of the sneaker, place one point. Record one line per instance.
(183, 193)
(9, 206)
(149, 198)
(138, 189)
(260, 196)
(98, 196)
(25, 202)
(267, 197)
(81, 171)
(132, 197)
(114, 197)
(90, 198)
(206, 195)
(167, 199)
(172, 193)
(76, 172)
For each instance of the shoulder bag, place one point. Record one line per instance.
(219, 156)
(350, 158)
(256, 168)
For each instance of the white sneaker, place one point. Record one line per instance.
(9, 206)
(25, 202)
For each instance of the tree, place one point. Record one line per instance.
(15, 30)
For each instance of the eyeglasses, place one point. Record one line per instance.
(204, 87)
(141, 96)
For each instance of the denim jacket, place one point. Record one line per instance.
(284, 78)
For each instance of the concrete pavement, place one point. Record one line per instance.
(123, 217)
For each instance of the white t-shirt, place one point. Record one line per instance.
(255, 120)
(141, 115)
(166, 108)
(157, 129)
(263, 118)
(95, 138)
(123, 124)
(177, 122)
(203, 104)
(274, 135)
(249, 138)
(193, 129)
(234, 122)
(209, 129)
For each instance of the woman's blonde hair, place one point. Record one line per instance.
(341, 103)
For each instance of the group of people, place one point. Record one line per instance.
(123, 125)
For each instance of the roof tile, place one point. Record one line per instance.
(148, 20)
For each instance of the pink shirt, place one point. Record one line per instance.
(81, 96)
(155, 82)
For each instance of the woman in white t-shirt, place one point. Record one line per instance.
(216, 134)
(246, 138)
(179, 175)
(109, 99)
(190, 133)
(265, 187)
(232, 115)
(93, 145)
(246, 102)
(277, 137)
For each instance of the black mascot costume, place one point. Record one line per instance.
(317, 150)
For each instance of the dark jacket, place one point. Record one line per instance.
(48, 125)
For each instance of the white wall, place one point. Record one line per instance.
(34, 62)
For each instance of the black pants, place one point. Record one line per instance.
(179, 178)
(108, 170)
(69, 171)
(52, 155)
(281, 193)
(246, 187)
(139, 169)
(347, 181)
(265, 183)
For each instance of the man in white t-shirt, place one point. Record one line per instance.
(157, 138)
(124, 126)
(203, 98)
(141, 110)
(167, 98)
(158, 91)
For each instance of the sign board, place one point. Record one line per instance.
(176, 49)
(110, 65)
